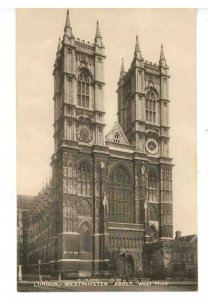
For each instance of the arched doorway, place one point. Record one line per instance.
(153, 233)
(125, 266)
(85, 241)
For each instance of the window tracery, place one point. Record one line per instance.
(152, 186)
(150, 107)
(153, 213)
(84, 178)
(120, 196)
(83, 93)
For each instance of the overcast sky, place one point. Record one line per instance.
(37, 37)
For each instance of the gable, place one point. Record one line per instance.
(116, 135)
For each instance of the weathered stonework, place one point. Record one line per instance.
(109, 201)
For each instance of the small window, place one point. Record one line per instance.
(116, 138)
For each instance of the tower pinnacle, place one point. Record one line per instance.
(122, 72)
(162, 55)
(137, 52)
(67, 24)
(98, 37)
(59, 46)
(162, 61)
(98, 34)
(68, 29)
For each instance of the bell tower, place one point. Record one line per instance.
(143, 103)
(79, 90)
(143, 113)
(79, 83)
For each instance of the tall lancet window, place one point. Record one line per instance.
(152, 186)
(83, 93)
(120, 196)
(150, 107)
(84, 179)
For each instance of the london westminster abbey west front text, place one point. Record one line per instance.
(111, 195)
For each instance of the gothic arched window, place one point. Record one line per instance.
(83, 93)
(84, 178)
(152, 186)
(153, 213)
(85, 239)
(120, 195)
(150, 107)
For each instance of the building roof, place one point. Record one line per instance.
(25, 201)
(188, 238)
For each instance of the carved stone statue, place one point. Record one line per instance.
(143, 169)
(102, 165)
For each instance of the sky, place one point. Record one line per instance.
(37, 36)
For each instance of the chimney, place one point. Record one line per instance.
(177, 235)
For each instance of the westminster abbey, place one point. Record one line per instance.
(107, 210)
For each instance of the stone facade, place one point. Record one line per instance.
(24, 204)
(110, 198)
(176, 259)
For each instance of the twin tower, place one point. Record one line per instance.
(111, 194)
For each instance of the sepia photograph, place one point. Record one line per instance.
(106, 150)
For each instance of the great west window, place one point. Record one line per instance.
(120, 196)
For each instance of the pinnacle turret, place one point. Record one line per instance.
(122, 72)
(98, 37)
(46, 184)
(67, 24)
(162, 55)
(50, 182)
(98, 34)
(59, 45)
(68, 29)
(162, 61)
(43, 189)
(137, 52)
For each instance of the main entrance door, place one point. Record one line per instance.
(125, 266)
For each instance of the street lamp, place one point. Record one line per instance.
(19, 273)
(59, 277)
(40, 277)
(140, 274)
(151, 264)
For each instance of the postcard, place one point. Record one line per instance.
(106, 150)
